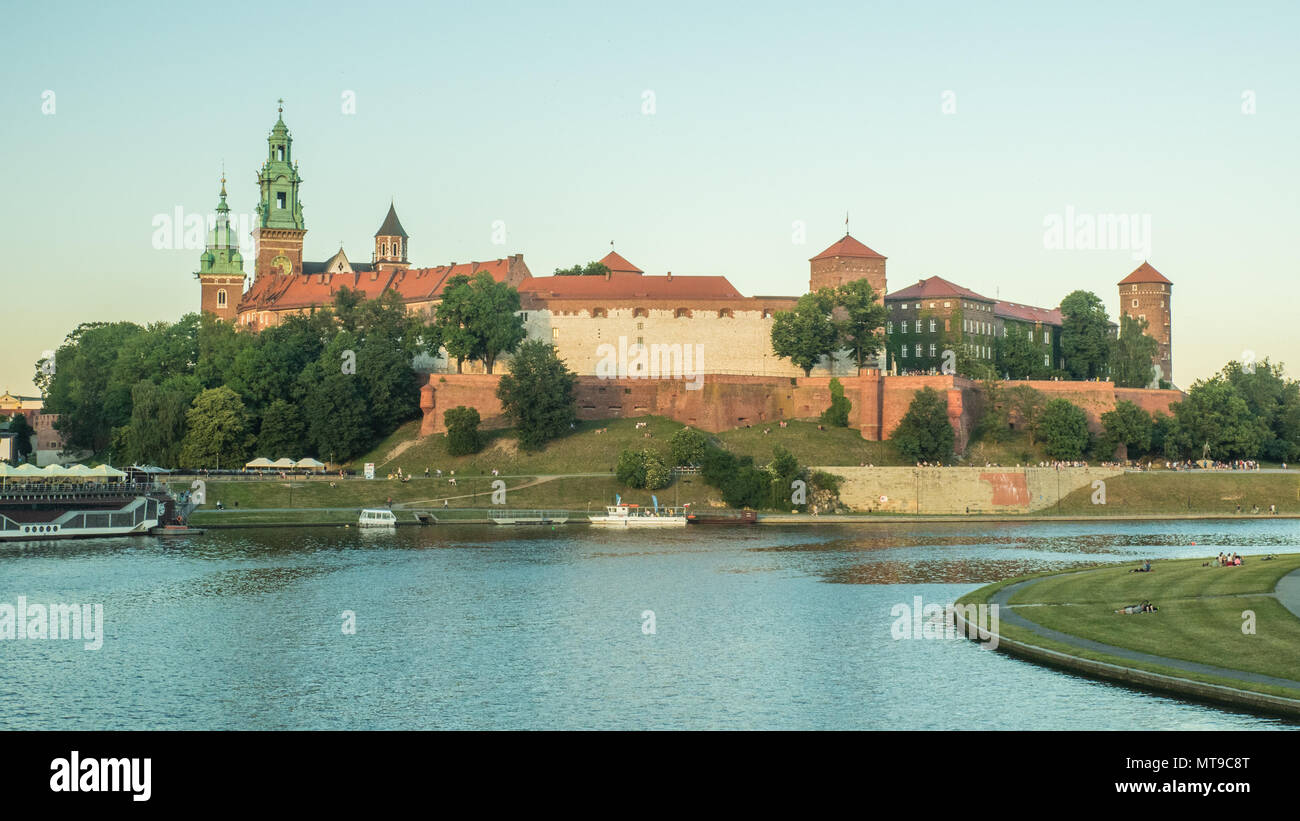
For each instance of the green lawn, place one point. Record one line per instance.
(1169, 491)
(1199, 620)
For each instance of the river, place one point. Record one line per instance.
(477, 627)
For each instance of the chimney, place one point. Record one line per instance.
(670, 276)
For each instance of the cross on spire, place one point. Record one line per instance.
(280, 110)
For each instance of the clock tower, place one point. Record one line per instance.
(280, 227)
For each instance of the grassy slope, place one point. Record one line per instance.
(1165, 491)
(1199, 619)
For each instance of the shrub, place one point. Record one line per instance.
(838, 413)
(462, 431)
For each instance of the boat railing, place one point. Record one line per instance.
(37, 491)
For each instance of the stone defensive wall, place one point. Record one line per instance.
(960, 490)
(717, 402)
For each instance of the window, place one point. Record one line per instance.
(904, 326)
(1031, 334)
(640, 326)
(636, 312)
(947, 304)
(931, 349)
(279, 199)
(918, 351)
(932, 328)
(221, 298)
(1047, 337)
(279, 152)
(1135, 303)
(889, 327)
(682, 313)
(947, 324)
(1047, 360)
(555, 333)
(931, 304)
(905, 352)
(724, 313)
(599, 312)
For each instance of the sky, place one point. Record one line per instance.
(699, 138)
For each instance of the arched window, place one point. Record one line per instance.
(221, 298)
(724, 313)
(682, 313)
(639, 312)
(599, 312)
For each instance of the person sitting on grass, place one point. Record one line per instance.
(1145, 568)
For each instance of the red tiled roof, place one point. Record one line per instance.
(628, 286)
(1144, 273)
(617, 264)
(272, 292)
(1027, 313)
(935, 287)
(847, 246)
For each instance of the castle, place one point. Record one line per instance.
(628, 326)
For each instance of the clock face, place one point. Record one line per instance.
(282, 265)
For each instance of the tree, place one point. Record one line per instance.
(805, 334)
(338, 425)
(686, 447)
(784, 469)
(217, 431)
(219, 345)
(537, 394)
(283, 432)
(643, 469)
(1085, 335)
(924, 434)
(1016, 356)
(591, 269)
(462, 431)
(479, 319)
(1027, 404)
(1063, 428)
(1214, 414)
(82, 390)
(1128, 426)
(1133, 354)
(858, 316)
(158, 425)
(994, 423)
(838, 413)
(1274, 400)
(22, 432)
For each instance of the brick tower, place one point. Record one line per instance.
(280, 228)
(845, 261)
(1147, 294)
(221, 267)
(390, 243)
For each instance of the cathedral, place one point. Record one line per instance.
(284, 284)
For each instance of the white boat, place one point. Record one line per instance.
(377, 517)
(30, 512)
(629, 516)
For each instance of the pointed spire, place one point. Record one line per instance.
(392, 226)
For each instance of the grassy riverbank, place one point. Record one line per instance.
(1200, 618)
(1195, 492)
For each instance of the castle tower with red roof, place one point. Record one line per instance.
(1147, 294)
(847, 260)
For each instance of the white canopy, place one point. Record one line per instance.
(284, 462)
(260, 462)
(309, 463)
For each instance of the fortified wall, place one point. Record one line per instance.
(960, 490)
(716, 403)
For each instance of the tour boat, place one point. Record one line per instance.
(628, 516)
(56, 510)
(371, 517)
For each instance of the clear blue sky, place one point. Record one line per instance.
(765, 114)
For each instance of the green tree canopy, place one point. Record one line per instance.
(924, 434)
(591, 269)
(462, 430)
(537, 394)
(858, 318)
(1215, 416)
(1133, 354)
(1063, 429)
(283, 432)
(217, 431)
(1085, 335)
(1128, 426)
(806, 334)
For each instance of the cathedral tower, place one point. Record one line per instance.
(280, 227)
(390, 242)
(221, 268)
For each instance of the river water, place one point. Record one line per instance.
(480, 627)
